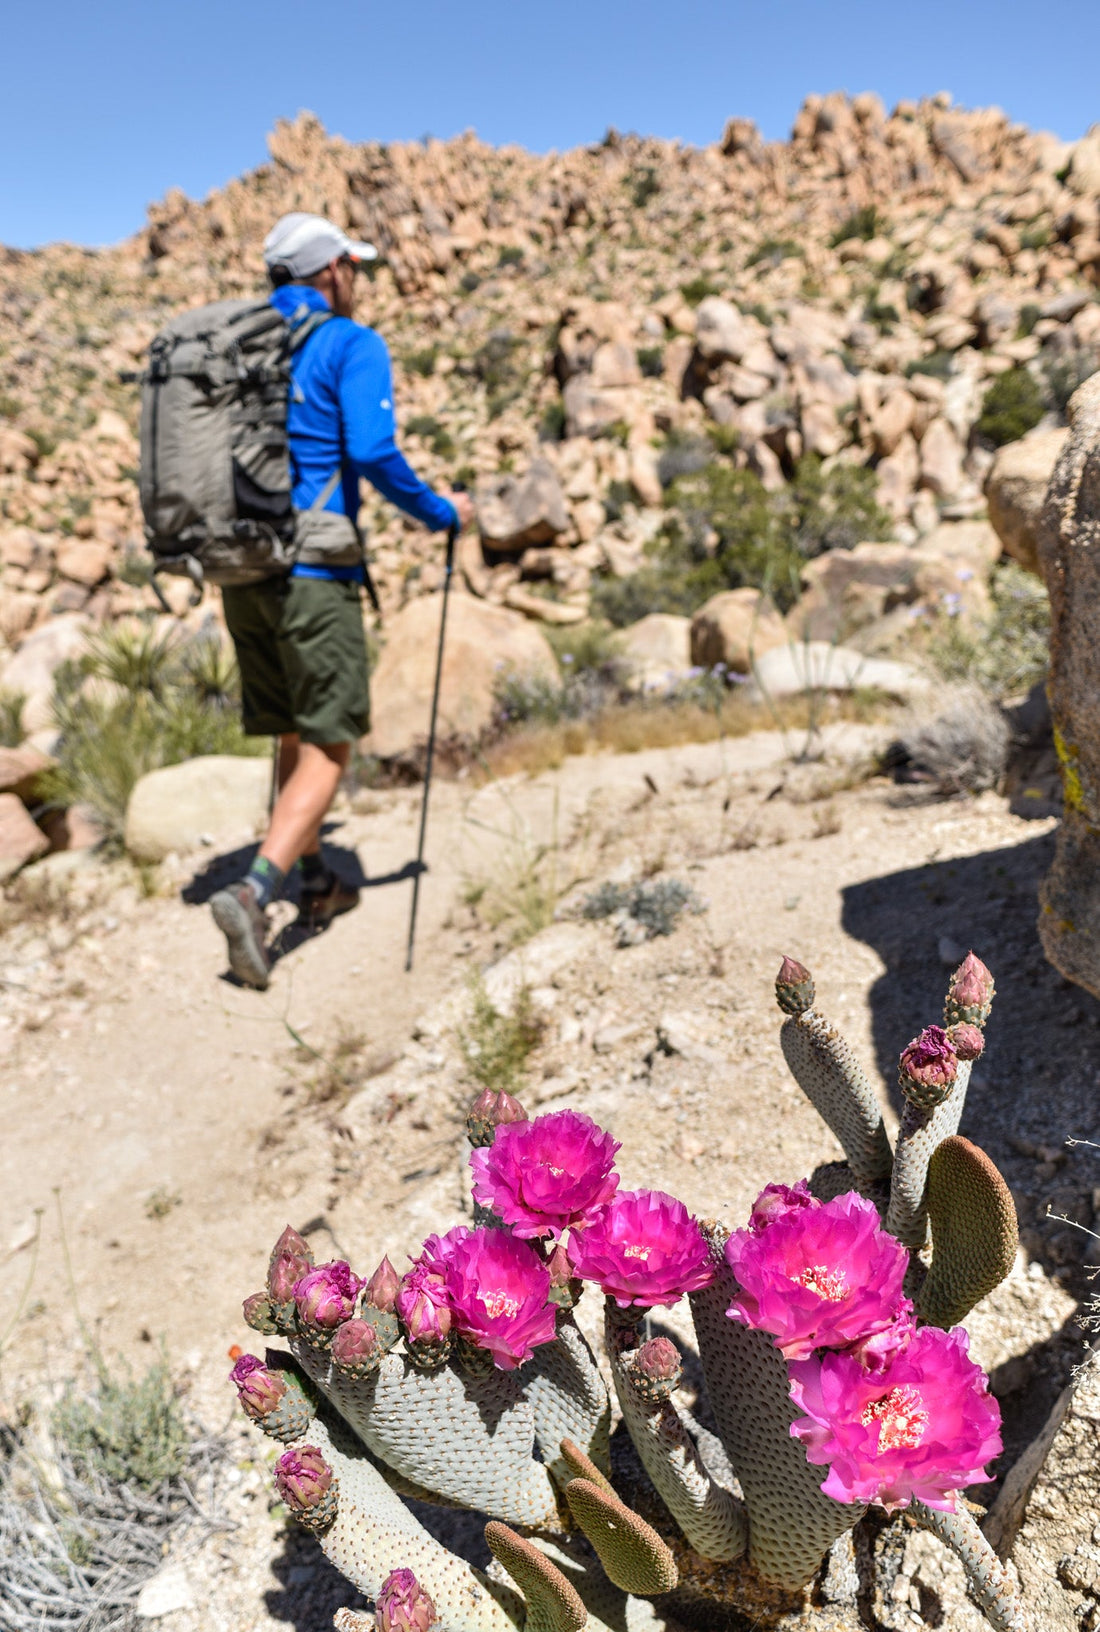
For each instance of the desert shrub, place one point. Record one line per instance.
(137, 656)
(697, 289)
(552, 423)
(938, 365)
(1011, 407)
(656, 907)
(1011, 651)
(496, 1046)
(643, 186)
(12, 705)
(128, 1430)
(682, 454)
(772, 251)
(865, 223)
(1064, 372)
(651, 361)
(208, 665)
(510, 255)
(593, 677)
(958, 746)
(422, 362)
(1029, 315)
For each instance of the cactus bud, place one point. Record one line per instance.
(402, 1605)
(308, 1486)
(356, 1350)
(565, 1288)
(382, 1288)
(423, 1308)
(258, 1313)
(489, 1111)
(969, 994)
(794, 987)
(967, 1041)
(655, 1370)
(291, 1258)
(325, 1297)
(258, 1388)
(927, 1068)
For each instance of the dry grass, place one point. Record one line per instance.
(631, 727)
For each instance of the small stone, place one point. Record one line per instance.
(165, 1593)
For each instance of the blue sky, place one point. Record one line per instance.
(107, 103)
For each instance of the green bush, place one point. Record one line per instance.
(651, 361)
(697, 290)
(495, 1046)
(1012, 650)
(643, 186)
(422, 362)
(129, 1430)
(865, 223)
(510, 255)
(1011, 407)
(774, 250)
(938, 366)
(552, 423)
(12, 729)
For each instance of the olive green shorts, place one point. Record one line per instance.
(302, 657)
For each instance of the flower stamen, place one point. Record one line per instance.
(830, 1284)
(902, 1418)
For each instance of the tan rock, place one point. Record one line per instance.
(821, 431)
(732, 627)
(84, 562)
(21, 769)
(721, 333)
(483, 641)
(516, 511)
(973, 542)
(844, 590)
(941, 460)
(1084, 167)
(542, 608)
(213, 799)
(892, 420)
(1016, 488)
(18, 453)
(31, 669)
(658, 649)
(643, 476)
(897, 477)
(614, 364)
(21, 839)
(588, 517)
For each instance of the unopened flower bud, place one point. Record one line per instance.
(402, 1605)
(258, 1314)
(325, 1297)
(491, 1110)
(967, 1041)
(307, 1485)
(565, 1288)
(794, 987)
(656, 1369)
(927, 1068)
(258, 1388)
(291, 1258)
(970, 993)
(382, 1288)
(356, 1350)
(423, 1307)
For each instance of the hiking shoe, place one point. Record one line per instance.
(238, 915)
(325, 901)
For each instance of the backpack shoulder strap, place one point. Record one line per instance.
(301, 330)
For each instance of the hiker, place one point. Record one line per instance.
(299, 636)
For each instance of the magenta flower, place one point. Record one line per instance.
(436, 1252)
(499, 1290)
(879, 1351)
(402, 1604)
(303, 1478)
(644, 1248)
(778, 1201)
(923, 1428)
(326, 1295)
(542, 1176)
(259, 1389)
(423, 1305)
(930, 1061)
(819, 1277)
(492, 1109)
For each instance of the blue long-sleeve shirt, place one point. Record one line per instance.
(341, 413)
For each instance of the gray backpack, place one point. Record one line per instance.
(215, 465)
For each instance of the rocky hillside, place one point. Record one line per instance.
(570, 330)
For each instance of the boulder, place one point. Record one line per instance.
(1016, 488)
(843, 590)
(20, 770)
(721, 333)
(520, 510)
(213, 799)
(816, 665)
(483, 642)
(84, 561)
(733, 627)
(658, 650)
(31, 669)
(1069, 556)
(21, 839)
(941, 460)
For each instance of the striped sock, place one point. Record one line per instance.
(265, 880)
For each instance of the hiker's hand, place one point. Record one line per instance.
(465, 507)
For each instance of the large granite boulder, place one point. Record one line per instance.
(1016, 489)
(1069, 555)
(733, 627)
(214, 799)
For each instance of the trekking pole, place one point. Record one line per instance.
(452, 535)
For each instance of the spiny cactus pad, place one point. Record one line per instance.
(569, 1399)
(469, 1439)
(582, 1467)
(991, 1585)
(834, 1082)
(710, 1516)
(632, 1553)
(791, 1524)
(553, 1604)
(920, 1134)
(974, 1231)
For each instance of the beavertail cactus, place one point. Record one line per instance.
(830, 1391)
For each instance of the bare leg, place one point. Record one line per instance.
(309, 775)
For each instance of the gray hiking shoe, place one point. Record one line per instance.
(238, 915)
(324, 902)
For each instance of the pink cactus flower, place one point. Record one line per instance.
(436, 1252)
(259, 1389)
(819, 1277)
(402, 1605)
(923, 1428)
(423, 1305)
(303, 1478)
(930, 1059)
(291, 1258)
(382, 1288)
(542, 1176)
(879, 1351)
(778, 1201)
(326, 1295)
(643, 1249)
(499, 1290)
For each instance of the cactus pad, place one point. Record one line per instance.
(991, 1586)
(791, 1524)
(834, 1082)
(297, 1408)
(920, 1134)
(974, 1231)
(632, 1553)
(569, 1398)
(553, 1603)
(582, 1467)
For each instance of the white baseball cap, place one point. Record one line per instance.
(303, 244)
